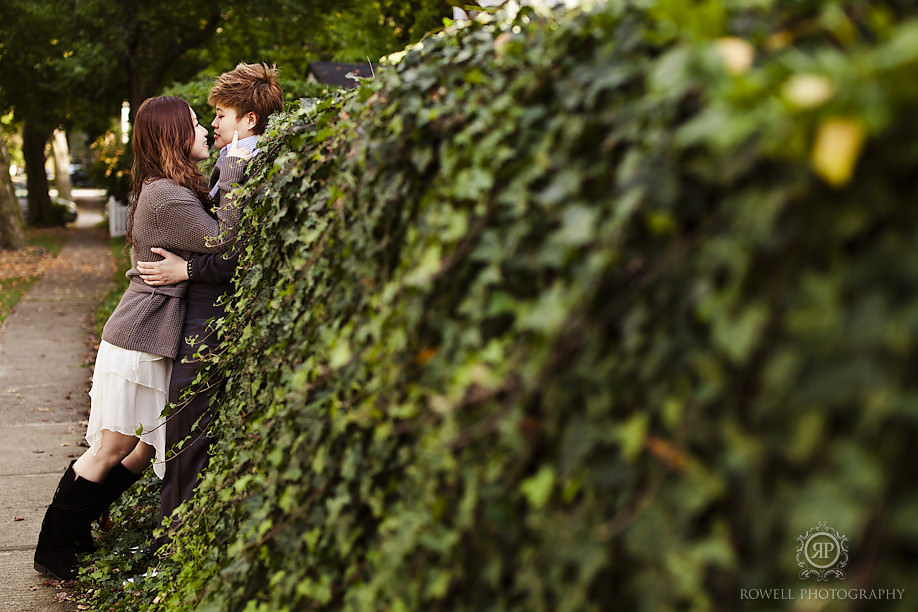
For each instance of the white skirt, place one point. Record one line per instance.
(129, 391)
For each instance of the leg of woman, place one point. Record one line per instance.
(140, 457)
(86, 489)
(112, 449)
(122, 476)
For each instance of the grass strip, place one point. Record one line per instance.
(51, 239)
(11, 289)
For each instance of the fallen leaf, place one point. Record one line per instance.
(27, 262)
(18, 518)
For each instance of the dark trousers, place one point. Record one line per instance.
(189, 418)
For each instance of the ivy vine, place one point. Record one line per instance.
(571, 312)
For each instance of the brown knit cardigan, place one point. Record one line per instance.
(171, 217)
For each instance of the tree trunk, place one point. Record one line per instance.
(12, 225)
(61, 164)
(41, 212)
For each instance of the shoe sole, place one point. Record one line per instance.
(41, 569)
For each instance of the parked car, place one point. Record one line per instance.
(79, 176)
(67, 209)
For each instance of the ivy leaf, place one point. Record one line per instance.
(578, 225)
(632, 434)
(340, 355)
(565, 183)
(429, 265)
(549, 312)
(538, 488)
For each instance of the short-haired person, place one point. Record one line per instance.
(142, 337)
(243, 99)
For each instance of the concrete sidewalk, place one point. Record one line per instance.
(44, 379)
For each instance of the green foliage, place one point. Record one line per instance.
(124, 547)
(30, 73)
(292, 34)
(112, 165)
(573, 314)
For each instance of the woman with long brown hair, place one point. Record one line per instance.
(142, 337)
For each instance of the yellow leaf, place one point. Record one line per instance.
(836, 150)
(736, 53)
(808, 90)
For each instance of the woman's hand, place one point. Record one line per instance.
(168, 271)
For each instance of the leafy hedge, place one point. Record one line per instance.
(580, 312)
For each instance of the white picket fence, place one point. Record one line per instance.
(117, 217)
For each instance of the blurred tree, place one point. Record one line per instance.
(61, 67)
(291, 34)
(12, 226)
(73, 64)
(128, 50)
(30, 81)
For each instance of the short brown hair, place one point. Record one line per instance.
(249, 88)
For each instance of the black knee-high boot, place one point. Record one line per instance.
(67, 522)
(118, 480)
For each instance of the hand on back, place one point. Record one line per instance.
(169, 270)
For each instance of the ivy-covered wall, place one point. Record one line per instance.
(591, 312)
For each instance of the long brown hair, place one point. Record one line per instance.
(162, 139)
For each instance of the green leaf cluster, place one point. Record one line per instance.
(564, 313)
